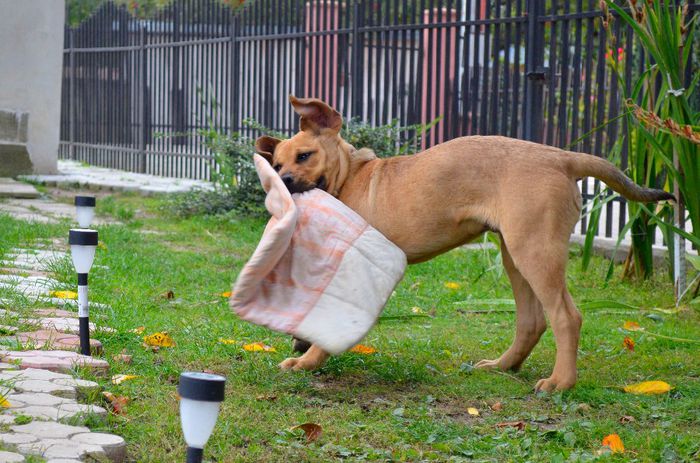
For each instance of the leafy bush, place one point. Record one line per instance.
(237, 187)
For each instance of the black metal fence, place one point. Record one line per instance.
(138, 92)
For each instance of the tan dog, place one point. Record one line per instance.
(450, 194)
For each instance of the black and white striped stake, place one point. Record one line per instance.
(83, 243)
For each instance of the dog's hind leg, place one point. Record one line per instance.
(544, 267)
(530, 322)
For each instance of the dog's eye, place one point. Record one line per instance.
(277, 167)
(301, 157)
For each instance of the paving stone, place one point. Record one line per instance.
(10, 188)
(76, 409)
(8, 366)
(46, 387)
(61, 448)
(37, 398)
(53, 312)
(13, 438)
(7, 419)
(33, 373)
(84, 387)
(114, 446)
(10, 457)
(63, 361)
(57, 340)
(49, 430)
(7, 329)
(62, 460)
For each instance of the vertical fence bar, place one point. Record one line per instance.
(534, 60)
(142, 97)
(357, 58)
(71, 97)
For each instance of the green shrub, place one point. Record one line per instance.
(236, 185)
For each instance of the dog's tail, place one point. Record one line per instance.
(585, 165)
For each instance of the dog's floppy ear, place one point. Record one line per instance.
(265, 147)
(316, 115)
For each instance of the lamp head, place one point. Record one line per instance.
(83, 243)
(201, 395)
(85, 210)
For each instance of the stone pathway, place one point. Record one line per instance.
(41, 396)
(72, 173)
(10, 188)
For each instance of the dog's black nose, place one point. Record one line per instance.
(288, 180)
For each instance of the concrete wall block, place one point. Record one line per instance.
(13, 126)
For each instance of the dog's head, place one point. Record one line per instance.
(316, 157)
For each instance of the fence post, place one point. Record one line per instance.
(234, 56)
(142, 97)
(71, 96)
(533, 120)
(357, 58)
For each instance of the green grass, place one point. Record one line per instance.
(408, 402)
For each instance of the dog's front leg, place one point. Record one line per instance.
(314, 358)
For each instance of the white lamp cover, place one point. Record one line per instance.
(85, 214)
(83, 256)
(198, 418)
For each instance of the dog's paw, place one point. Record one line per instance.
(554, 384)
(298, 363)
(488, 364)
(290, 364)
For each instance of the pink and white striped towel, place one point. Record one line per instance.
(320, 271)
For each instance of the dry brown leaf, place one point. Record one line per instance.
(123, 357)
(627, 419)
(648, 387)
(519, 425)
(311, 430)
(268, 397)
(614, 443)
(117, 403)
(169, 294)
(497, 407)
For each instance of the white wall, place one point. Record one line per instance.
(31, 56)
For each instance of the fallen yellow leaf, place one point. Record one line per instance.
(631, 326)
(227, 341)
(138, 330)
(159, 340)
(648, 387)
(102, 246)
(416, 310)
(614, 443)
(362, 349)
(64, 294)
(473, 411)
(258, 347)
(4, 403)
(452, 285)
(118, 379)
(226, 294)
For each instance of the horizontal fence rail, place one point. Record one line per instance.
(140, 94)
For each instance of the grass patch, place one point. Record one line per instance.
(408, 402)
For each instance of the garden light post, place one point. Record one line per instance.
(83, 243)
(85, 210)
(201, 395)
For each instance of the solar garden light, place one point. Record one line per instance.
(85, 210)
(83, 243)
(201, 395)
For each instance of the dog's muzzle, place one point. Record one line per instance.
(299, 187)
